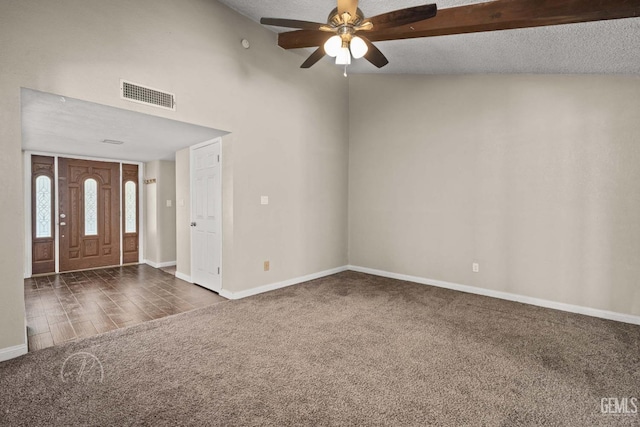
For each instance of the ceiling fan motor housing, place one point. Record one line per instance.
(335, 19)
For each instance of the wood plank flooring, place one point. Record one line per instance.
(69, 306)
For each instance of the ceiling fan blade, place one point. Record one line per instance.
(292, 23)
(316, 56)
(401, 17)
(374, 55)
(349, 6)
(302, 38)
(490, 16)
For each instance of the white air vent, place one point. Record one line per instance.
(146, 95)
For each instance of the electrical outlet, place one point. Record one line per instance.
(475, 267)
(266, 266)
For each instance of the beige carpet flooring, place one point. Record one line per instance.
(349, 349)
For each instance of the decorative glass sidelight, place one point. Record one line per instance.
(90, 207)
(130, 207)
(43, 206)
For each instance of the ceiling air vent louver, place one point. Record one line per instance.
(146, 95)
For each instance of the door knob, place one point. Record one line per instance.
(63, 216)
(193, 224)
(63, 223)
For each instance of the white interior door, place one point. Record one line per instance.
(206, 221)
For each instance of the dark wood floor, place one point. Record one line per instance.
(65, 307)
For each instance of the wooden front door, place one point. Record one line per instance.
(89, 209)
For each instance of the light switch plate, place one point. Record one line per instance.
(169, 203)
(264, 200)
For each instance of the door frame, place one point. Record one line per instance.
(192, 148)
(28, 232)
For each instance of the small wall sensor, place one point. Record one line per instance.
(245, 44)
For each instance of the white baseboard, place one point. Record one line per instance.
(183, 277)
(588, 311)
(273, 286)
(13, 352)
(160, 264)
(226, 294)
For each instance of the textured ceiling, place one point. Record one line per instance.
(55, 124)
(604, 47)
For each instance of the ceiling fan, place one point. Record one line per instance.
(338, 36)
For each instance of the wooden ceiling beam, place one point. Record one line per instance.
(489, 16)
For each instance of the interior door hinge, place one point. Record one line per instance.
(218, 158)
(218, 270)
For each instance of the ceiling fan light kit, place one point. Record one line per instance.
(337, 48)
(337, 38)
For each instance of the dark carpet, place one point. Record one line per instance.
(349, 349)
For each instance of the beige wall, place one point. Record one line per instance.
(160, 219)
(183, 213)
(536, 178)
(282, 119)
(12, 325)
(151, 213)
